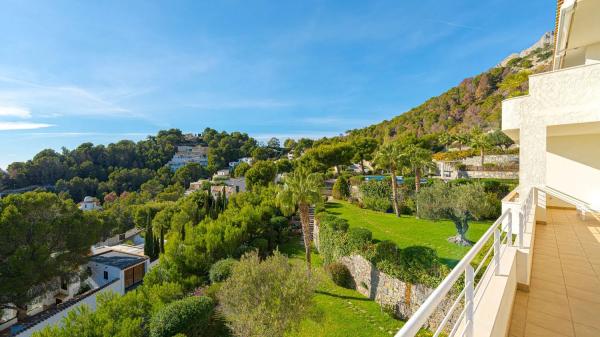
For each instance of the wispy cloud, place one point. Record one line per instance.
(11, 111)
(6, 126)
(58, 99)
(458, 25)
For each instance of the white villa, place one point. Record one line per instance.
(247, 160)
(90, 204)
(189, 154)
(117, 269)
(543, 278)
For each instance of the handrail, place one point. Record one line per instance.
(418, 319)
(579, 204)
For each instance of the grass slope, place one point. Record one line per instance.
(409, 231)
(339, 312)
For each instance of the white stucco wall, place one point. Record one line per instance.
(562, 102)
(90, 301)
(573, 166)
(97, 276)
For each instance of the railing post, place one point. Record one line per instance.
(497, 251)
(521, 228)
(469, 299)
(509, 233)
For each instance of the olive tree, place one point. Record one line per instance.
(459, 203)
(265, 298)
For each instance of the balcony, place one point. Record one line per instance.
(564, 294)
(544, 283)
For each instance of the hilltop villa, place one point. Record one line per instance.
(543, 276)
(189, 154)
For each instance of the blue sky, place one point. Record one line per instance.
(100, 71)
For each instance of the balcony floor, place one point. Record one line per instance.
(564, 294)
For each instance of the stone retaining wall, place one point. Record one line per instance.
(489, 174)
(404, 298)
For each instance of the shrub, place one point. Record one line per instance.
(333, 222)
(386, 250)
(340, 275)
(265, 298)
(221, 270)
(356, 180)
(359, 237)
(341, 189)
(377, 204)
(262, 245)
(190, 316)
(376, 195)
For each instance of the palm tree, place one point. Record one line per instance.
(462, 139)
(389, 157)
(480, 141)
(301, 189)
(419, 160)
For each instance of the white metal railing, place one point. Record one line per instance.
(581, 206)
(501, 237)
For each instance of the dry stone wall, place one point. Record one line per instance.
(404, 298)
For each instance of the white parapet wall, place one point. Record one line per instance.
(90, 301)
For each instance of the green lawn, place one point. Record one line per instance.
(339, 312)
(409, 231)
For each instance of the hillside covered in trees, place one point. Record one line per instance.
(474, 103)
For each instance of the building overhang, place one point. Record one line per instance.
(578, 27)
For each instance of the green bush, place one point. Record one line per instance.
(190, 316)
(262, 245)
(376, 195)
(356, 180)
(359, 237)
(377, 204)
(386, 250)
(333, 222)
(221, 270)
(340, 275)
(341, 189)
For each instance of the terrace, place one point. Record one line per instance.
(546, 282)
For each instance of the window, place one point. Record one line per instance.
(105, 275)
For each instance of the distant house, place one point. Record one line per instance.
(189, 154)
(89, 204)
(228, 187)
(126, 267)
(247, 160)
(221, 174)
(195, 186)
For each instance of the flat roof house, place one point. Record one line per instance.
(118, 265)
(115, 269)
(543, 278)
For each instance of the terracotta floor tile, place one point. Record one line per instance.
(553, 323)
(555, 308)
(585, 312)
(586, 331)
(534, 330)
(592, 294)
(582, 281)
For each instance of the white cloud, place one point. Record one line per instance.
(5, 126)
(11, 111)
(59, 99)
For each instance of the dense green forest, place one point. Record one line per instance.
(123, 166)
